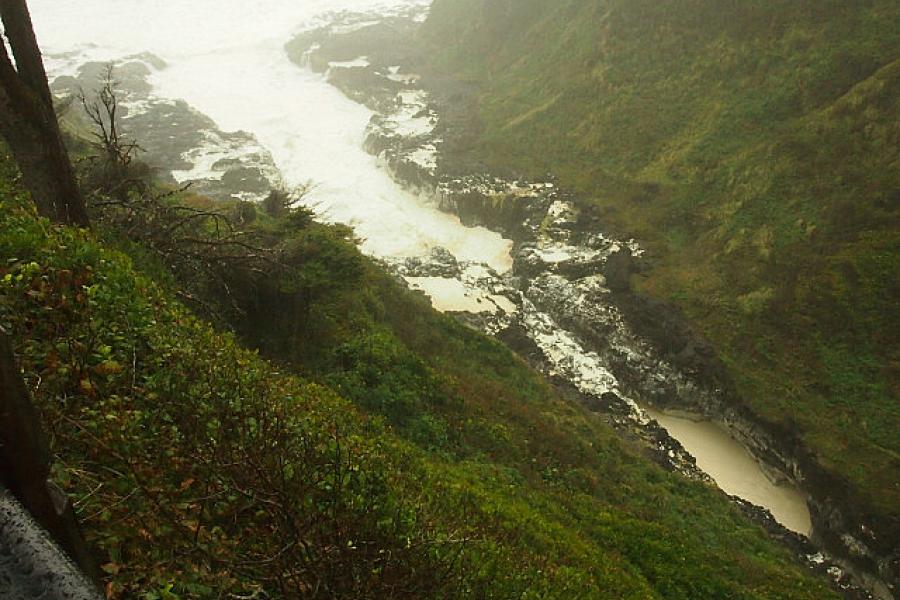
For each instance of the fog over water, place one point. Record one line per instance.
(226, 58)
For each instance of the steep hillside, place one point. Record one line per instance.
(425, 460)
(754, 149)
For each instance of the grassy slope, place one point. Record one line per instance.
(191, 460)
(755, 148)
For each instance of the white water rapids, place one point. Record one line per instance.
(226, 58)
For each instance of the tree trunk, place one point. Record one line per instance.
(28, 122)
(25, 463)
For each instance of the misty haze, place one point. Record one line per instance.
(462, 298)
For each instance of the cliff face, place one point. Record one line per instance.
(754, 148)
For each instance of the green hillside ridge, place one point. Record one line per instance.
(754, 149)
(417, 458)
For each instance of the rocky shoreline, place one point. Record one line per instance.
(180, 145)
(573, 314)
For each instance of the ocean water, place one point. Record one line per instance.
(226, 58)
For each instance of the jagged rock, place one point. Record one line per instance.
(439, 263)
(608, 402)
(619, 269)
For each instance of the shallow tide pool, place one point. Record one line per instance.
(735, 470)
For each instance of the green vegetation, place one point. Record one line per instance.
(412, 458)
(754, 147)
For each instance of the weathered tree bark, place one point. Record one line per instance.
(25, 463)
(28, 121)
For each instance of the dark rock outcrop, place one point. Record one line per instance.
(618, 270)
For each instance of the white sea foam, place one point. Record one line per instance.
(448, 294)
(362, 61)
(234, 69)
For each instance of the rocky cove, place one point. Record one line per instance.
(563, 301)
(567, 306)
